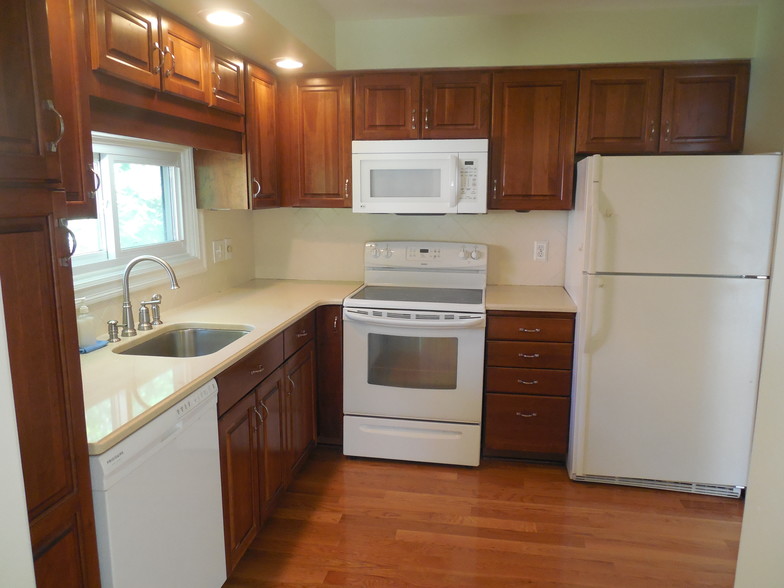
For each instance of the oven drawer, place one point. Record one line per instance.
(530, 328)
(297, 334)
(528, 381)
(426, 441)
(529, 354)
(237, 380)
(518, 425)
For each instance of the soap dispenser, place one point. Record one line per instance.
(85, 324)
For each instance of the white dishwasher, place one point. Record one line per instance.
(157, 500)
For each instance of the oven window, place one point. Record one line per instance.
(412, 362)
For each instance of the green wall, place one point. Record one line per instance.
(558, 37)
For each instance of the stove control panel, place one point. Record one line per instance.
(426, 255)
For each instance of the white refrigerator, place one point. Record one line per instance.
(668, 260)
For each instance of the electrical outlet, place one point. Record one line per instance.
(540, 250)
(227, 249)
(218, 251)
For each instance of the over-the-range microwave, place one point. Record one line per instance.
(420, 176)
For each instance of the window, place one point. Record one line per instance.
(146, 206)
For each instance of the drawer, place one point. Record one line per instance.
(528, 381)
(530, 328)
(296, 335)
(236, 381)
(534, 425)
(528, 354)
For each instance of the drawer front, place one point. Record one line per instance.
(296, 335)
(530, 328)
(236, 381)
(526, 424)
(557, 356)
(528, 381)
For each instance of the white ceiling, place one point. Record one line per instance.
(379, 9)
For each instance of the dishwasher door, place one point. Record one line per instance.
(157, 500)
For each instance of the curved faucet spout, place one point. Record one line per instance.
(127, 308)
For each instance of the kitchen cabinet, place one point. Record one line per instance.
(329, 373)
(270, 402)
(227, 71)
(31, 127)
(315, 163)
(300, 410)
(133, 40)
(669, 109)
(527, 384)
(533, 138)
(432, 105)
(261, 138)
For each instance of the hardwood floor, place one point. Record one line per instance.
(357, 522)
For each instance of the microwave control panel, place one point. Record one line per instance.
(469, 179)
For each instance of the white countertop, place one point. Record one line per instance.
(124, 392)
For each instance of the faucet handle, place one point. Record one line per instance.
(155, 307)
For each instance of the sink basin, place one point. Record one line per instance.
(185, 341)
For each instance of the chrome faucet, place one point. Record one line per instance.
(127, 309)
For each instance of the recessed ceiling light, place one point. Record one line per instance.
(288, 63)
(224, 18)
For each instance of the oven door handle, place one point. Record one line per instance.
(414, 323)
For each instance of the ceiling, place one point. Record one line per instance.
(381, 9)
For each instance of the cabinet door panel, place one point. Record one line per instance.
(186, 65)
(270, 396)
(534, 114)
(386, 106)
(329, 389)
(123, 37)
(456, 105)
(260, 124)
(619, 110)
(529, 354)
(301, 422)
(704, 108)
(534, 425)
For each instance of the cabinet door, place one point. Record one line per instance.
(270, 397)
(534, 116)
(260, 125)
(125, 42)
(300, 405)
(456, 105)
(41, 327)
(227, 71)
(316, 142)
(186, 61)
(329, 385)
(237, 430)
(704, 108)
(69, 63)
(29, 126)
(619, 110)
(386, 106)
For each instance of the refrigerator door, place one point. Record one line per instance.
(686, 215)
(666, 378)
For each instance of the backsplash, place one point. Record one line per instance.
(326, 244)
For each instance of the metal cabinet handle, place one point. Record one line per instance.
(265, 410)
(161, 57)
(258, 371)
(495, 188)
(667, 131)
(335, 323)
(525, 415)
(427, 118)
(258, 189)
(524, 330)
(259, 415)
(293, 385)
(345, 190)
(66, 261)
(528, 356)
(96, 179)
(528, 383)
(216, 86)
(413, 119)
(52, 145)
(302, 333)
(168, 51)
(653, 129)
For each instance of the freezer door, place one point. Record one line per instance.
(666, 378)
(703, 215)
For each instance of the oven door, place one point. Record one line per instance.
(413, 365)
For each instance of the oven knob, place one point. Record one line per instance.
(463, 254)
(387, 252)
(475, 254)
(376, 252)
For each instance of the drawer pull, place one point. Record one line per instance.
(301, 334)
(528, 355)
(258, 371)
(525, 383)
(524, 330)
(525, 415)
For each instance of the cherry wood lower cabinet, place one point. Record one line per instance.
(329, 383)
(527, 385)
(266, 427)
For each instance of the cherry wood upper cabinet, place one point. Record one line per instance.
(186, 61)
(30, 125)
(260, 132)
(315, 123)
(619, 110)
(704, 108)
(437, 105)
(534, 118)
(227, 69)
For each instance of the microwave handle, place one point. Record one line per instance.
(454, 185)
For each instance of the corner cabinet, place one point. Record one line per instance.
(528, 385)
(533, 134)
(315, 162)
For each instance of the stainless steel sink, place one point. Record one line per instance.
(185, 341)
